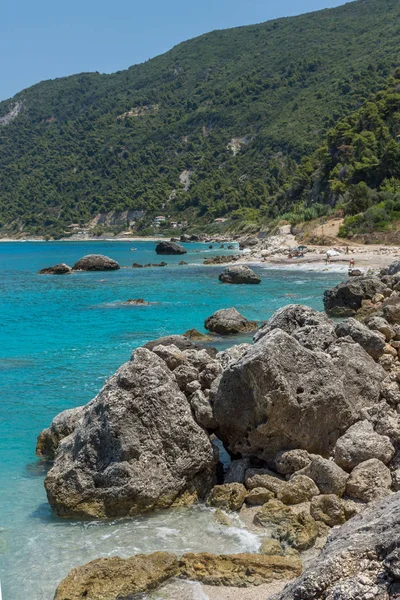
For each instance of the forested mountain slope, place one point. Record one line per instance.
(357, 170)
(216, 125)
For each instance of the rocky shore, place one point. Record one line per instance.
(309, 414)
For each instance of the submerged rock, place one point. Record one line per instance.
(229, 321)
(115, 578)
(274, 397)
(96, 262)
(220, 260)
(137, 302)
(238, 570)
(356, 561)
(239, 274)
(60, 269)
(196, 336)
(136, 449)
(170, 248)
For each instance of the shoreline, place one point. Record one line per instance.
(272, 254)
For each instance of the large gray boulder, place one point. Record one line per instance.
(360, 443)
(280, 396)
(239, 274)
(228, 321)
(360, 559)
(137, 448)
(170, 248)
(372, 342)
(346, 298)
(311, 328)
(96, 262)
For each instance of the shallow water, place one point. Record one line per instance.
(60, 338)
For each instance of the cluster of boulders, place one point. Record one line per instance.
(221, 260)
(373, 305)
(91, 262)
(309, 414)
(308, 404)
(139, 266)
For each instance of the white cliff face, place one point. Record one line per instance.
(184, 179)
(12, 114)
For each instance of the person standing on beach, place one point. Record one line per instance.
(352, 263)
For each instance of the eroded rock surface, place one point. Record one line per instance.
(115, 578)
(357, 559)
(60, 269)
(228, 321)
(136, 449)
(96, 262)
(311, 328)
(280, 395)
(239, 274)
(170, 248)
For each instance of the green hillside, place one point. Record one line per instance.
(356, 171)
(227, 116)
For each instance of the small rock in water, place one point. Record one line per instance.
(96, 262)
(229, 321)
(197, 336)
(137, 302)
(239, 274)
(60, 269)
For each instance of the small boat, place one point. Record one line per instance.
(133, 249)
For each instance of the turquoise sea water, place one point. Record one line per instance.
(60, 338)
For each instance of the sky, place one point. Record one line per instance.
(44, 39)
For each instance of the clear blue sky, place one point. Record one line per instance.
(44, 39)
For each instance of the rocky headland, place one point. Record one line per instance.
(309, 414)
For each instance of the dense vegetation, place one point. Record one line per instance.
(357, 171)
(234, 111)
